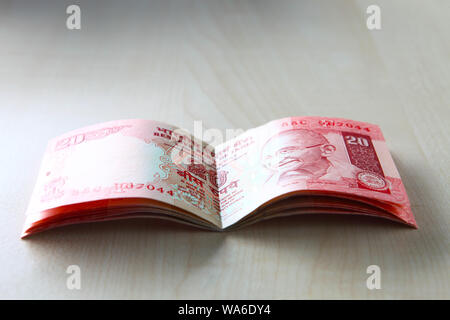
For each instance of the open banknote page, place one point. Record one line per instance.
(129, 159)
(318, 156)
(144, 168)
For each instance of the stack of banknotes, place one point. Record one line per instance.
(143, 168)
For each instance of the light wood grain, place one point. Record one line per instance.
(230, 64)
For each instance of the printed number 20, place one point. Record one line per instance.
(361, 141)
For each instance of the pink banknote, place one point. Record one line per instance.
(310, 154)
(143, 168)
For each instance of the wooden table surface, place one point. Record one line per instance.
(229, 64)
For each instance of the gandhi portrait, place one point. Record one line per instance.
(299, 154)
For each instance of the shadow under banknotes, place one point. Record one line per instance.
(144, 247)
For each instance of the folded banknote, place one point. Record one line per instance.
(143, 168)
